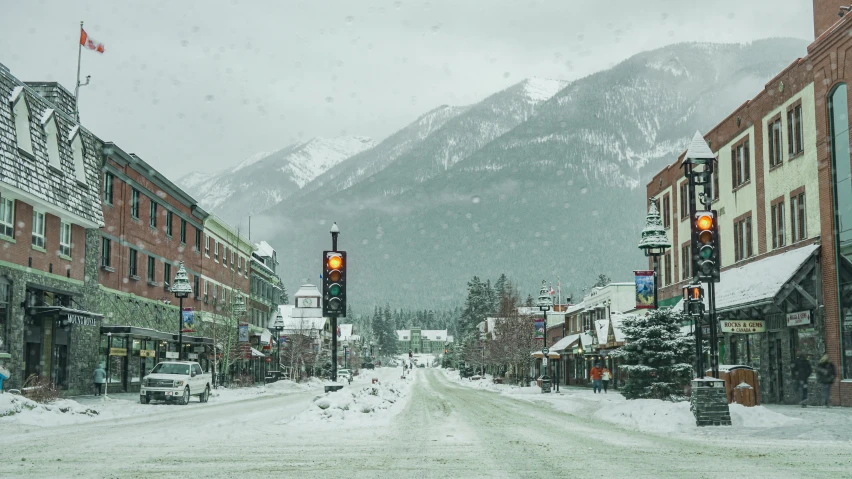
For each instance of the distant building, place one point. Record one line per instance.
(425, 341)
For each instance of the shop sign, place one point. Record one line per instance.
(118, 351)
(82, 320)
(198, 349)
(146, 353)
(744, 327)
(800, 318)
(171, 354)
(192, 356)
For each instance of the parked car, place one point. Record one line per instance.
(175, 380)
(421, 365)
(344, 375)
(366, 365)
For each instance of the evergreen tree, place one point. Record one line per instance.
(602, 281)
(529, 301)
(500, 287)
(476, 307)
(656, 356)
(285, 298)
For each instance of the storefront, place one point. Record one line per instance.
(56, 339)
(128, 353)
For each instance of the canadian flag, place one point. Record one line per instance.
(90, 43)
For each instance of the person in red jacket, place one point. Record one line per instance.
(595, 375)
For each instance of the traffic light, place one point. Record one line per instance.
(705, 247)
(693, 299)
(334, 283)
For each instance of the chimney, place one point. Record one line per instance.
(826, 14)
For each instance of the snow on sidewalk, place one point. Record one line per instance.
(663, 417)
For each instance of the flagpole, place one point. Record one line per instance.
(77, 88)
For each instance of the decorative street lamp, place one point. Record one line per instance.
(654, 240)
(278, 324)
(544, 303)
(181, 289)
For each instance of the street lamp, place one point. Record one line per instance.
(545, 302)
(181, 289)
(654, 240)
(278, 324)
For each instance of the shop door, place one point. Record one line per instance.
(776, 369)
(33, 365)
(60, 357)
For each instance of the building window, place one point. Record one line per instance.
(183, 231)
(684, 200)
(108, 185)
(22, 122)
(106, 251)
(151, 269)
(668, 268)
(205, 289)
(197, 239)
(132, 271)
(795, 143)
(51, 131)
(216, 251)
(167, 274)
(778, 224)
(715, 180)
(77, 152)
(742, 239)
(740, 164)
(195, 291)
(207, 246)
(775, 151)
(667, 217)
(240, 264)
(233, 259)
(685, 261)
(7, 217)
(152, 221)
(798, 224)
(65, 238)
(134, 203)
(38, 229)
(169, 220)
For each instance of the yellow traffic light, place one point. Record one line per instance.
(705, 222)
(335, 262)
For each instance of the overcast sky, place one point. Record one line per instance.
(200, 85)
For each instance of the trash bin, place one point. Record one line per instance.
(545, 384)
(744, 395)
(737, 374)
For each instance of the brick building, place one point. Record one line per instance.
(782, 191)
(48, 199)
(151, 225)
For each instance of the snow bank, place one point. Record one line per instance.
(649, 415)
(759, 417)
(21, 410)
(358, 403)
(271, 389)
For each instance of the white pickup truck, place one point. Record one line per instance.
(176, 380)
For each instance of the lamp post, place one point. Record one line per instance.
(654, 241)
(181, 289)
(278, 324)
(238, 308)
(545, 302)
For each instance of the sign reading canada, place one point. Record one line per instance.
(743, 327)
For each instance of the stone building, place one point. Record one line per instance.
(426, 341)
(48, 201)
(782, 190)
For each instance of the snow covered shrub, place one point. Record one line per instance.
(40, 389)
(323, 403)
(656, 355)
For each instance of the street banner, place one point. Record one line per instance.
(243, 331)
(539, 328)
(645, 293)
(188, 316)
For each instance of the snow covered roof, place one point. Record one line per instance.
(45, 117)
(307, 291)
(256, 354)
(758, 282)
(576, 308)
(73, 132)
(301, 319)
(16, 93)
(699, 149)
(437, 334)
(403, 334)
(265, 249)
(565, 342)
(257, 262)
(602, 330)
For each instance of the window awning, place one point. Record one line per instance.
(257, 354)
(62, 311)
(147, 333)
(763, 282)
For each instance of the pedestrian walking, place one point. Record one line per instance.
(826, 373)
(801, 372)
(595, 375)
(99, 378)
(606, 376)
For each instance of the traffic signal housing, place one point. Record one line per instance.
(334, 283)
(693, 299)
(705, 246)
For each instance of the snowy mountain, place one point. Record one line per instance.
(265, 179)
(534, 181)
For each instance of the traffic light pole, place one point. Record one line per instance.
(334, 232)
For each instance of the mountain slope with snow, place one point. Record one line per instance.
(265, 179)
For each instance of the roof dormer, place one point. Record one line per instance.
(21, 113)
(51, 132)
(75, 139)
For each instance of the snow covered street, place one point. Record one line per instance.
(434, 427)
